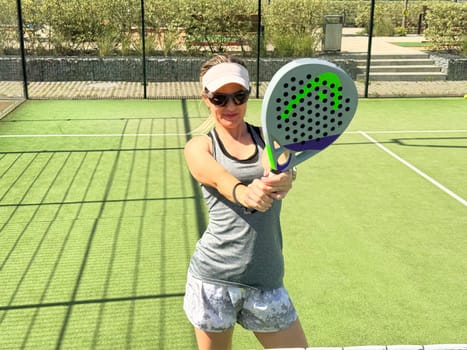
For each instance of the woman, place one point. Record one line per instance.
(236, 272)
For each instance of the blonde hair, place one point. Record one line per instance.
(208, 124)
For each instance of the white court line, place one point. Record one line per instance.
(185, 134)
(88, 135)
(408, 131)
(418, 171)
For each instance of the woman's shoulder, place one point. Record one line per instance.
(198, 142)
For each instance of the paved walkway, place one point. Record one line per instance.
(352, 42)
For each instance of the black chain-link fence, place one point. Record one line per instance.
(155, 48)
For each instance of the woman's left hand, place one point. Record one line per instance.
(280, 183)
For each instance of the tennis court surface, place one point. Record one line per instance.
(99, 217)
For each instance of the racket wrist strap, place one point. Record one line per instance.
(234, 193)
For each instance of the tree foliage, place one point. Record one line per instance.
(291, 27)
(447, 23)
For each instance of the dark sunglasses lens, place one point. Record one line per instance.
(240, 97)
(219, 99)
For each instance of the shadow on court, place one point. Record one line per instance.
(95, 243)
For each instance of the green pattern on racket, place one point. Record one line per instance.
(308, 104)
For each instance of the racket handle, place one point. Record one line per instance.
(274, 154)
(293, 169)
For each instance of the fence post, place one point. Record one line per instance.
(370, 40)
(23, 53)
(258, 50)
(143, 49)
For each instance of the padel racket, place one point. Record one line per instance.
(307, 105)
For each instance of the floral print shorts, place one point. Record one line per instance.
(215, 307)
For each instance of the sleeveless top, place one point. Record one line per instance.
(238, 248)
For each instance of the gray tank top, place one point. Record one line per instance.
(239, 248)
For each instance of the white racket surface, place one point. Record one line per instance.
(308, 104)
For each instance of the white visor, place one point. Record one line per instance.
(225, 73)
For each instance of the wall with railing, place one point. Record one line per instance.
(140, 48)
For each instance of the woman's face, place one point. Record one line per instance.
(230, 115)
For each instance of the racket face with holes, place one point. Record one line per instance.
(308, 104)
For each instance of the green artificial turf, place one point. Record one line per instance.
(96, 232)
(410, 43)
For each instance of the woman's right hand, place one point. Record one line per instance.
(255, 196)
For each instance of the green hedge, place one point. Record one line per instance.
(291, 27)
(447, 27)
(294, 27)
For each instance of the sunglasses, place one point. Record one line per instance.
(218, 99)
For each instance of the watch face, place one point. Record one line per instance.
(294, 173)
